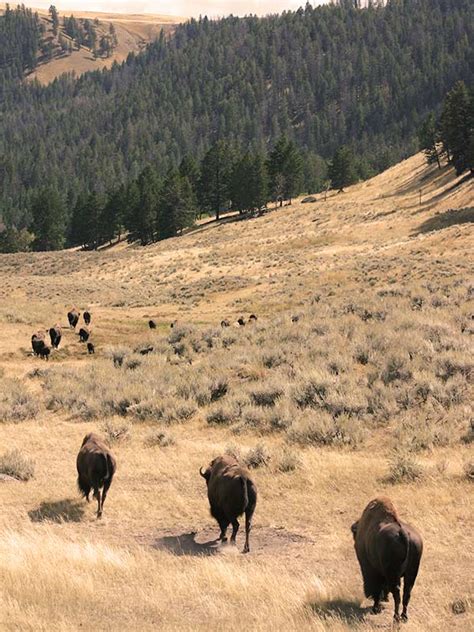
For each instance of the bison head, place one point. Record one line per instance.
(206, 474)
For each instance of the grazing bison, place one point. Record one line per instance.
(90, 348)
(84, 334)
(225, 323)
(96, 467)
(252, 318)
(151, 324)
(387, 549)
(231, 492)
(45, 352)
(55, 335)
(241, 322)
(73, 317)
(87, 318)
(38, 342)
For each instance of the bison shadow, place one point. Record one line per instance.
(59, 511)
(348, 611)
(185, 544)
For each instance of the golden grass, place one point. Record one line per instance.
(385, 314)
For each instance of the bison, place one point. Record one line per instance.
(73, 317)
(241, 322)
(87, 318)
(84, 334)
(252, 318)
(90, 348)
(45, 352)
(387, 549)
(231, 492)
(38, 342)
(96, 467)
(55, 335)
(225, 323)
(151, 324)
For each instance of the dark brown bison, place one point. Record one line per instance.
(225, 323)
(231, 492)
(90, 348)
(45, 352)
(87, 318)
(96, 467)
(241, 321)
(38, 342)
(73, 317)
(84, 334)
(55, 335)
(387, 549)
(252, 318)
(151, 324)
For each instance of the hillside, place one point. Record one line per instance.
(324, 77)
(368, 392)
(134, 32)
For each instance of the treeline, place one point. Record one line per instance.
(324, 77)
(84, 32)
(20, 39)
(451, 135)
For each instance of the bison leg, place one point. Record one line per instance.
(377, 608)
(223, 523)
(396, 598)
(252, 496)
(235, 528)
(99, 502)
(104, 493)
(407, 586)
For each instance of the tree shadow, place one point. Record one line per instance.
(67, 510)
(444, 220)
(348, 611)
(185, 544)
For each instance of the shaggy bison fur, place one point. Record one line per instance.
(55, 335)
(387, 549)
(73, 317)
(84, 334)
(231, 492)
(87, 318)
(96, 467)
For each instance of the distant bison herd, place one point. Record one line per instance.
(38, 339)
(388, 550)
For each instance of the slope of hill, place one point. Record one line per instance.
(324, 77)
(369, 392)
(134, 32)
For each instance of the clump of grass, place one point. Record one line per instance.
(288, 461)
(159, 438)
(321, 429)
(257, 457)
(234, 451)
(468, 468)
(117, 431)
(14, 463)
(16, 402)
(403, 468)
(221, 415)
(460, 605)
(395, 369)
(266, 396)
(218, 389)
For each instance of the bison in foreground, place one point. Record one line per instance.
(55, 335)
(387, 549)
(231, 492)
(96, 467)
(73, 317)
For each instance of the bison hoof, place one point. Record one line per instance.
(224, 538)
(404, 618)
(377, 609)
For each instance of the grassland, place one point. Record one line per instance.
(368, 391)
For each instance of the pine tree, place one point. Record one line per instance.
(48, 223)
(214, 181)
(341, 170)
(78, 234)
(456, 127)
(54, 19)
(91, 219)
(176, 205)
(428, 139)
(285, 169)
(146, 211)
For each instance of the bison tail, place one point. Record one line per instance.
(404, 537)
(245, 492)
(110, 467)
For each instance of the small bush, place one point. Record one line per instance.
(14, 463)
(395, 369)
(159, 438)
(16, 402)
(257, 457)
(461, 605)
(288, 461)
(219, 388)
(469, 470)
(403, 468)
(220, 415)
(266, 396)
(116, 432)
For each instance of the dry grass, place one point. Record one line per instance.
(369, 392)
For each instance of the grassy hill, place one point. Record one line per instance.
(368, 392)
(133, 31)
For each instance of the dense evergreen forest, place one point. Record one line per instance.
(323, 77)
(20, 39)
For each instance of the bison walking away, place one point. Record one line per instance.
(38, 342)
(73, 317)
(387, 549)
(96, 467)
(84, 334)
(252, 318)
(55, 335)
(151, 324)
(87, 318)
(231, 492)
(45, 352)
(241, 322)
(90, 348)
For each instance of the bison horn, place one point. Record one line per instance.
(200, 472)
